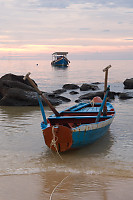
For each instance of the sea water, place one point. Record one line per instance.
(22, 147)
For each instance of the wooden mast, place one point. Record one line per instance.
(105, 87)
(42, 95)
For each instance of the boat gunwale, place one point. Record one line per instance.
(93, 126)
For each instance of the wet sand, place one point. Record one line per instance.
(67, 186)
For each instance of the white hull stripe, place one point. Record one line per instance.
(93, 126)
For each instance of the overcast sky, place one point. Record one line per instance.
(37, 28)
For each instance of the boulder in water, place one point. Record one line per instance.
(128, 83)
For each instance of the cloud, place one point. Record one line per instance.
(130, 39)
(106, 30)
(75, 25)
(84, 29)
(66, 3)
(31, 4)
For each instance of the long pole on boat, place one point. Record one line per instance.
(105, 88)
(42, 95)
(103, 104)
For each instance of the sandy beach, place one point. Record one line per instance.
(67, 186)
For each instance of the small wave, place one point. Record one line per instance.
(24, 171)
(99, 170)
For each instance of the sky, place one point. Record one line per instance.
(98, 29)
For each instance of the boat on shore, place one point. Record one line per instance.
(59, 59)
(79, 125)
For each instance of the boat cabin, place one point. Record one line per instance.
(57, 55)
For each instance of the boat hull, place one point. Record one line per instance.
(73, 138)
(89, 133)
(60, 62)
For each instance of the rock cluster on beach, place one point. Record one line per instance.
(15, 91)
(87, 96)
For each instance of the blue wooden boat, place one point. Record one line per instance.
(78, 125)
(59, 59)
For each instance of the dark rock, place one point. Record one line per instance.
(96, 83)
(78, 101)
(70, 86)
(85, 87)
(73, 92)
(117, 93)
(15, 84)
(59, 91)
(50, 95)
(54, 98)
(64, 99)
(17, 92)
(18, 97)
(128, 83)
(13, 77)
(1, 96)
(91, 95)
(112, 95)
(125, 96)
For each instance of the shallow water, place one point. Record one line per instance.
(22, 148)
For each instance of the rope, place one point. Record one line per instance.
(57, 187)
(53, 142)
(92, 103)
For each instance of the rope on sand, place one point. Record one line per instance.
(57, 187)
